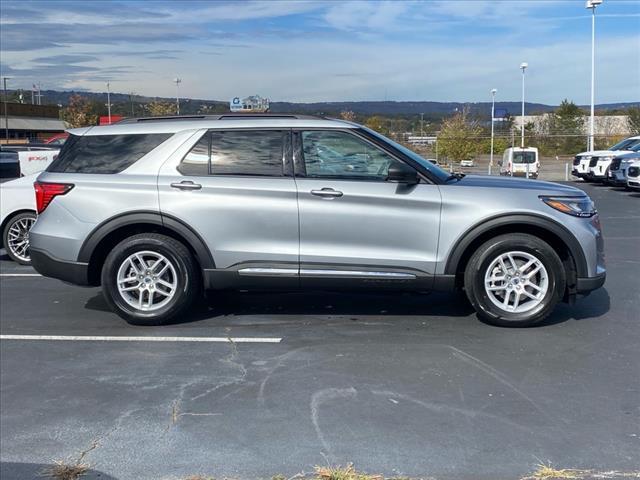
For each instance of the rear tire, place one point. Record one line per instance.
(150, 279)
(15, 237)
(507, 296)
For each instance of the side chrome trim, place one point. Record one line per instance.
(354, 273)
(269, 272)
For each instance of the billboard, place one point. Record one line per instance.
(251, 104)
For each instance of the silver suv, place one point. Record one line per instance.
(156, 210)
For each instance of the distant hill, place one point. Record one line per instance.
(388, 108)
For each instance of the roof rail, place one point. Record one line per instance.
(225, 116)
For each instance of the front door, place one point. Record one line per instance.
(354, 224)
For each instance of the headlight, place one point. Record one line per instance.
(575, 206)
(607, 159)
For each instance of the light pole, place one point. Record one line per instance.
(422, 124)
(177, 81)
(493, 111)
(523, 67)
(6, 115)
(592, 4)
(109, 103)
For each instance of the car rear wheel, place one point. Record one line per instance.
(514, 280)
(150, 279)
(15, 237)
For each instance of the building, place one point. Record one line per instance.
(605, 125)
(29, 123)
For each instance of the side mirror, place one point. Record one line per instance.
(401, 173)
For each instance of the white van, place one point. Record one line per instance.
(518, 162)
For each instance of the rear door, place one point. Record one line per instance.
(355, 226)
(235, 189)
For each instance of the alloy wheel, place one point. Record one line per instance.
(147, 280)
(516, 282)
(18, 238)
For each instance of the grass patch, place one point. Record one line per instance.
(344, 473)
(63, 471)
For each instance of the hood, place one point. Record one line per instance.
(517, 183)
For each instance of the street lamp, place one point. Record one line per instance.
(177, 81)
(109, 103)
(592, 4)
(422, 124)
(523, 67)
(6, 115)
(493, 110)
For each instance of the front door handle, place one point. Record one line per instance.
(327, 193)
(186, 185)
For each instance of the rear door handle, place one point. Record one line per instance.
(327, 193)
(186, 185)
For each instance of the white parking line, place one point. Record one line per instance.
(87, 338)
(20, 275)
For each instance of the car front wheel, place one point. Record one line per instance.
(150, 279)
(514, 280)
(15, 237)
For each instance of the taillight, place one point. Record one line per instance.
(45, 192)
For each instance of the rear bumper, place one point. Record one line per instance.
(48, 266)
(586, 285)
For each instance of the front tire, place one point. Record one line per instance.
(15, 237)
(514, 280)
(150, 279)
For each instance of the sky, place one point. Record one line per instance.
(307, 51)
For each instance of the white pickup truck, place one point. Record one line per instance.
(33, 158)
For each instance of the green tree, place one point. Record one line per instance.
(377, 123)
(633, 120)
(80, 112)
(564, 130)
(458, 139)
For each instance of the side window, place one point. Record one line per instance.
(196, 162)
(104, 153)
(334, 154)
(247, 152)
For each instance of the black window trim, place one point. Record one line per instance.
(287, 153)
(300, 170)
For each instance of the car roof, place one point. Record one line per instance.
(222, 122)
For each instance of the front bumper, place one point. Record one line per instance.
(48, 266)
(586, 285)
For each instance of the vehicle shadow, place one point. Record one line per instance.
(33, 471)
(381, 305)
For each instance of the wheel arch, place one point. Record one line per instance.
(558, 236)
(109, 233)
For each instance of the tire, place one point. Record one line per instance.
(15, 234)
(148, 299)
(487, 291)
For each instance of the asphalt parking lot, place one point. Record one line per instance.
(402, 385)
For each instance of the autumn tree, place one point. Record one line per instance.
(458, 138)
(160, 109)
(80, 112)
(377, 123)
(348, 115)
(633, 120)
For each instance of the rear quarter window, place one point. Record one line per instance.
(104, 153)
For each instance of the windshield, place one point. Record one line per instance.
(435, 170)
(625, 144)
(524, 157)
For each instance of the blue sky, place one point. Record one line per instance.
(325, 50)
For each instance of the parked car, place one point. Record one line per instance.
(155, 210)
(585, 161)
(600, 172)
(9, 165)
(33, 158)
(618, 168)
(467, 163)
(17, 216)
(633, 175)
(520, 162)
